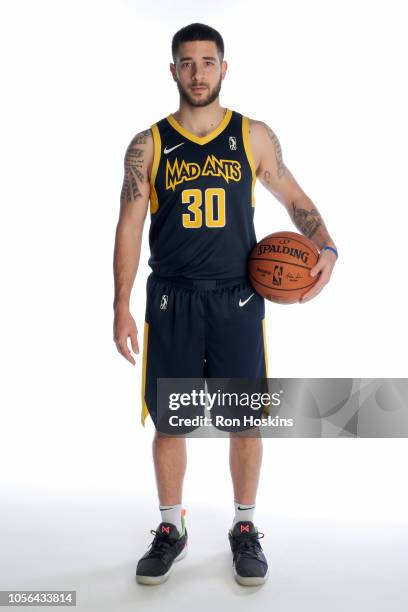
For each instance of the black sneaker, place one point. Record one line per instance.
(250, 565)
(168, 546)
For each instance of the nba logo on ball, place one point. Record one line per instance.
(277, 275)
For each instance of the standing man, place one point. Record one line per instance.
(198, 168)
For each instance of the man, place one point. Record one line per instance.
(198, 168)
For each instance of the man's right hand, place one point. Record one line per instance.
(124, 327)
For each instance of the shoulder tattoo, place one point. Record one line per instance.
(134, 175)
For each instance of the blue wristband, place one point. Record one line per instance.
(330, 249)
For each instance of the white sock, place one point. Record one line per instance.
(172, 514)
(243, 512)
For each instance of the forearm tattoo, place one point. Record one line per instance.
(134, 168)
(278, 151)
(307, 221)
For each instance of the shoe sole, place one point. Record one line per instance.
(250, 580)
(153, 580)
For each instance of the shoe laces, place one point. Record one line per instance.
(159, 545)
(247, 544)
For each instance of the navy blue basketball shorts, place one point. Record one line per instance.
(201, 329)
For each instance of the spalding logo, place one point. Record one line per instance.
(265, 249)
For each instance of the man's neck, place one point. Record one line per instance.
(200, 120)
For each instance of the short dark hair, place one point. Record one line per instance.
(197, 31)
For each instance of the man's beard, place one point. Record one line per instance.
(203, 101)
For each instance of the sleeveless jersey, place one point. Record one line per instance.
(202, 200)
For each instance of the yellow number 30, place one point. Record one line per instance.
(194, 199)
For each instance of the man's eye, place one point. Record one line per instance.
(184, 64)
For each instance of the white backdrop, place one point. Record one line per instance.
(80, 78)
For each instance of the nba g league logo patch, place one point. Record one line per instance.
(163, 302)
(232, 143)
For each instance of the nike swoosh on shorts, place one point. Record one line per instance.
(242, 303)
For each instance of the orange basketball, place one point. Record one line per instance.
(279, 266)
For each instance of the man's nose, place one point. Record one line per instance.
(197, 74)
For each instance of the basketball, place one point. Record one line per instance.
(279, 267)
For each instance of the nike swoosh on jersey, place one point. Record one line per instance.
(242, 303)
(166, 150)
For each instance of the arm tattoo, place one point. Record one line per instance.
(268, 180)
(133, 168)
(307, 221)
(278, 151)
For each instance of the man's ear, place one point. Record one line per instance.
(173, 70)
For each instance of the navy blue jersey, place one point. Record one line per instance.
(202, 200)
